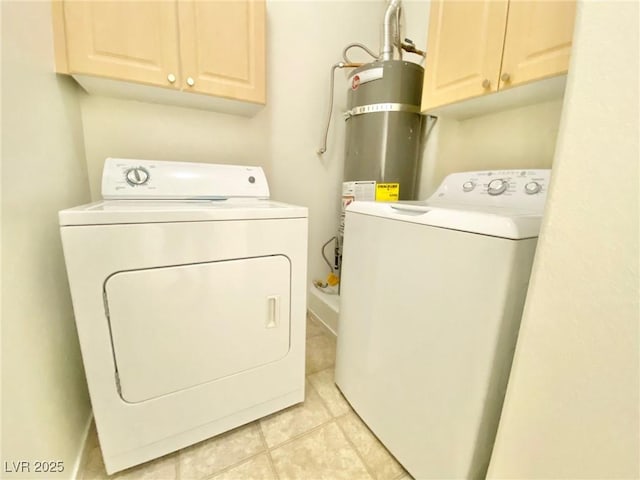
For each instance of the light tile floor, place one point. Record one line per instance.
(319, 439)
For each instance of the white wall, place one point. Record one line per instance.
(572, 406)
(45, 406)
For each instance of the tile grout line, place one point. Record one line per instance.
(326, 404)
(324, 330)
(269, 458)
(267, 448)
(274, 470)
(178, 464)
(302, 434)
(403, 470)
(239, 462)
(307, 336)
(312, 386)
(229, 467)
(403, 474)
(367, 467)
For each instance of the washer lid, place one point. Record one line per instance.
(486, 220)
(500, 203)
(161, 211)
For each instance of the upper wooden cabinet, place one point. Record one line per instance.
(134, 41)
(222, 47)
(482, 46)
(214, 48)
(538, 40)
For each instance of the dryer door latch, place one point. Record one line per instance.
(273, 314)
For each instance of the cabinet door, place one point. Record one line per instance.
(538, 40)
(222, 46)
(133, 41)
(464, 50)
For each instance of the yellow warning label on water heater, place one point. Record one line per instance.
(387, 192)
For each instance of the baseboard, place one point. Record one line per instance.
(324, 307)
(82, 453)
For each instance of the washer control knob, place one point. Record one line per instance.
(468, 186)
(136, 176)
(497, 186)
(532, 187)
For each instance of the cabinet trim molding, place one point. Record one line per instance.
(59, 37)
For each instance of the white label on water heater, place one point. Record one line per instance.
(366, 76)
(355, 191)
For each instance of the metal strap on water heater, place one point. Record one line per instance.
(381, 107)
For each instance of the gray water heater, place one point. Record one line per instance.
(383, 124)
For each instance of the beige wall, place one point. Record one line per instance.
(523, 137)
(304, 40)
(572, 406)
(45, 407)
(131, 129)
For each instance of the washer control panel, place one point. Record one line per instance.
(508, 188)
(126, 178)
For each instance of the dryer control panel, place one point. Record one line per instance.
(126, 178)
(507, 188)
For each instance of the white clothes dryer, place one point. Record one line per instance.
(189, 292)
(431, 300)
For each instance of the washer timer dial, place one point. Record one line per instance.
(136, 176)
(497, 186)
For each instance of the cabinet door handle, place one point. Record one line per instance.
(190, 81)
(486, 83)
(505, 77)
(171, 77)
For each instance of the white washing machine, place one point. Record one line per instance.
(432, 295)
(189, 292)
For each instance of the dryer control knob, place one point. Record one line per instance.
(497, 186)
(136, 176)
(468, 186)
(532, 187)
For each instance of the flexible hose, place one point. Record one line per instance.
(357, 45)
(323, 147)
(324, 255)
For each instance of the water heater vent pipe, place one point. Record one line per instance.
(391, 13)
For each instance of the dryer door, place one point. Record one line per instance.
(177, 327)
